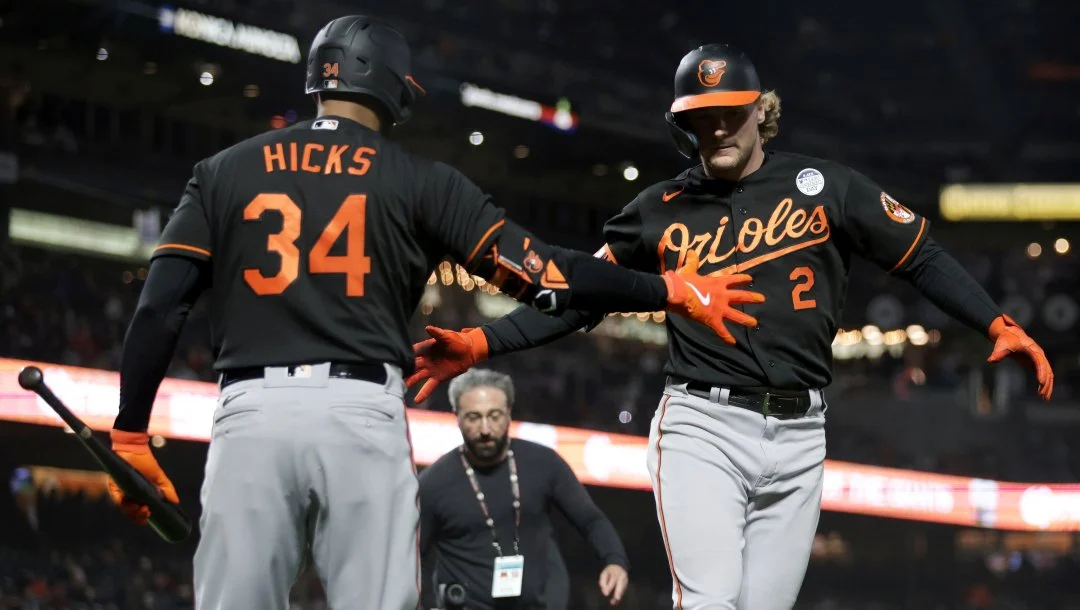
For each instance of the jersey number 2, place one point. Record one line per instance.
(804, 278)
(349, 217)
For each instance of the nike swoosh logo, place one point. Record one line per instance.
(669, 196)
(704, 298)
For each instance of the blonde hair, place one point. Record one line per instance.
(768, 128)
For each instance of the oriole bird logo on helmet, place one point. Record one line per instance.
(710, 71)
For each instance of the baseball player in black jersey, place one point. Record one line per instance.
(737, 445)
(315, 243)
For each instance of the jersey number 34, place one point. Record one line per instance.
(349, 217)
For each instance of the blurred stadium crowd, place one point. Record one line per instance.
(915, 95)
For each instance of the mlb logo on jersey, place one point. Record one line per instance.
(329, 124)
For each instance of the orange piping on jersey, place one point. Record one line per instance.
(416, 84)
(922, 227)
(660, 505)
(764, 258)
(480, 243)
(182, 247)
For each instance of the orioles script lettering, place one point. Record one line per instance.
(785, 232)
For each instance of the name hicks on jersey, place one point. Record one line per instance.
(316, 158)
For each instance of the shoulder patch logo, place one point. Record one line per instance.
(896, 210)
(330, 124)
(810, 181)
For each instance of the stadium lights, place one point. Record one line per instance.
(521, 151)
(917, 335)
(206, 79)
(53, 232)
(560, 116)
(225, 33)
(102, 54)
(1061, 246)
(630, 173)
(251, 91)
(476, 138)
(1034, 250)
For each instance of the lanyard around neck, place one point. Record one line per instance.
(514, 488)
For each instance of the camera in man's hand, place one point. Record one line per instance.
(453, 597)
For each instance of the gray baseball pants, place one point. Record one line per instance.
(738, 496)
(309, 462)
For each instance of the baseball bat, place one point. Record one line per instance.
(166, 518)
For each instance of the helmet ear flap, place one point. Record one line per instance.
(685, 141)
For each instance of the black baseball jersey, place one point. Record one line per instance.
(792, 225)
(321, 237)
(452, 522)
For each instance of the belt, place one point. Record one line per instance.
(780, 404)
(366, 371)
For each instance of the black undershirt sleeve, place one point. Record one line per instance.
(939, 277)
(597, 285)
(172, 286)
(526, 328)
(578, 507)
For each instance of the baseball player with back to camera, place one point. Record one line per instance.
(737, 446)
(315, 243)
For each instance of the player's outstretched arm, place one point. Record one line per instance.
(883, 230)
(946, 284)
(706, 299)
(477, 234)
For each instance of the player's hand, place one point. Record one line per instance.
(444, 356)
(709, 299)
(613, 583)
(1010, 339)
(134, 448)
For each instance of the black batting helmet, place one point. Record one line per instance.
(710, 75)
(358, 54)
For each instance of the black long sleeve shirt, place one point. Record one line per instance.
(452, 522)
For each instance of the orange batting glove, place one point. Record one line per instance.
(134, 448)
(444, 356)
(1010, 339)
(709, 299)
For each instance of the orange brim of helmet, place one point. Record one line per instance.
(716, 98)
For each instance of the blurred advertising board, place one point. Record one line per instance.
(1010, 202)
(184, 409)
